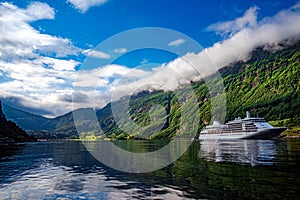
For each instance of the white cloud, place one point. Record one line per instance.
(193, 66)
(38, 10)
(97, 54)
(35, 78)
(38, 88)
(40, 81)
(99, 76)
(144, 61)
(284, 26)
(84, 5)
(35, 11)
(19, 39)
(176, 42)
(28, 73)
(268, 32)
(232, 27)
(121, 50)
(98, 83)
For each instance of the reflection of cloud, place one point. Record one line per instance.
(76, 176)
(84, 5)
(176, 42)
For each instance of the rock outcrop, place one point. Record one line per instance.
(10, 132)
(1, 113)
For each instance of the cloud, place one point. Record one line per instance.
(248, 20)
(19, 39)
(37, 84)
(35, 11)
(268, 32)
(71, 96)
(144, 61)
(121, 50)
(176, 42)
(115, 81)
(98, 83)
(97, 54)
(100, 76)
(38, 10)
(42, 82)
(246, 35)
(34, 67)
(85, 5)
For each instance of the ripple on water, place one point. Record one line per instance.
(237, 169)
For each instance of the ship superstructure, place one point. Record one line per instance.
(247, 128)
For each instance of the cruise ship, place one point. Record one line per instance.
(247, 128)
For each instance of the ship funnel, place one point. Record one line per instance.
(217, 123)
(247, 114)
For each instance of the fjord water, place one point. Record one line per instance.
(261, 169)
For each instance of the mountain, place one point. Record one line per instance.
(26, 120)
(267, 85)
(9, 131)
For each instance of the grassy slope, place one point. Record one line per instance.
(267, 85)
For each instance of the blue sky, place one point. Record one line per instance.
(43, 44)
(103, 21)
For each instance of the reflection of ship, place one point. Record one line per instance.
(254, 152)
(247, 128)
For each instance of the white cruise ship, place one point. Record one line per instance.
(247, 128)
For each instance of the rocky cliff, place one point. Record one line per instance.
(10, 132)
(1, 113)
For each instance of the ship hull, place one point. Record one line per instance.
(261, 134)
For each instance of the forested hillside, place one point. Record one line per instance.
(267, 85)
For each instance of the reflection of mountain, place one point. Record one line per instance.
(8, 150)
(53, 170)
(239, 151)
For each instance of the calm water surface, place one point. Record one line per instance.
(259, 169)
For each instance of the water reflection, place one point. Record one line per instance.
(7, 150)
(252, 152)
(232, 169)
(66, 170)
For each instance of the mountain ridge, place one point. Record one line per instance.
(26, 120)
(267, 84)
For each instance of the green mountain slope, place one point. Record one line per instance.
(267, 85)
